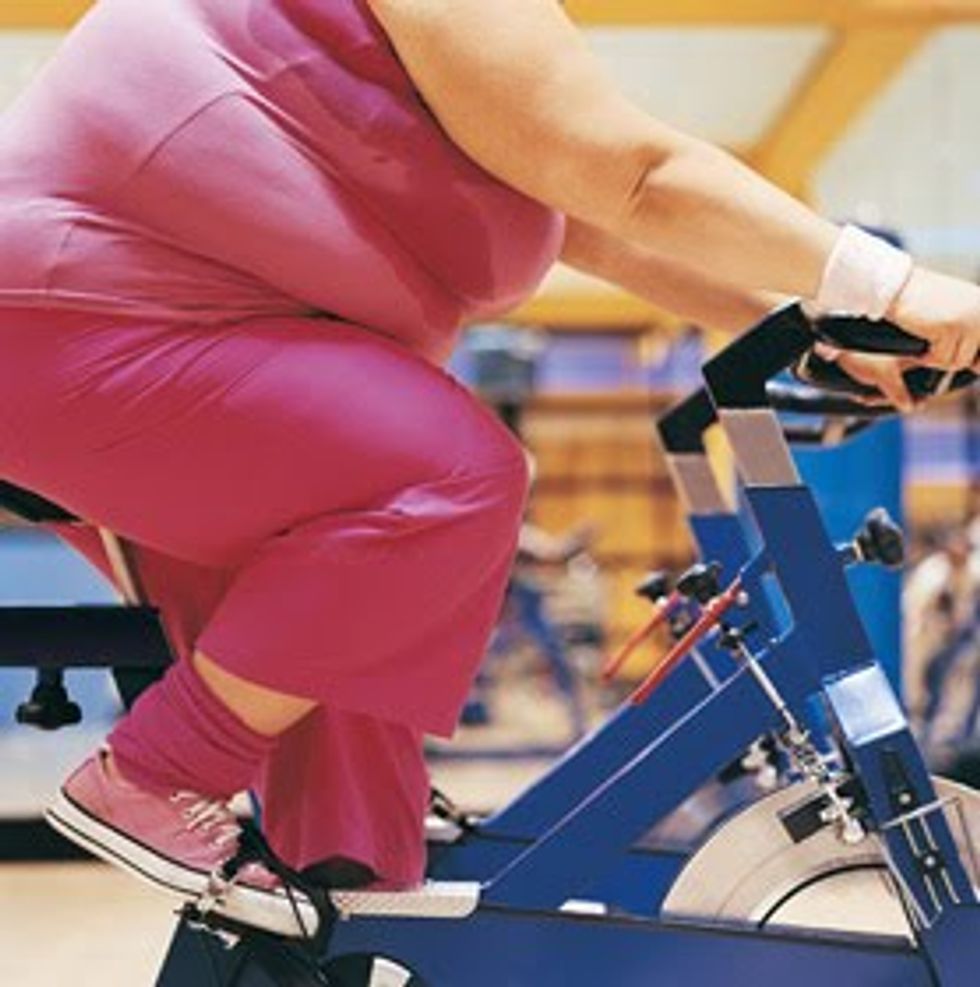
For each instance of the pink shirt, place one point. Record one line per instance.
(219, 159)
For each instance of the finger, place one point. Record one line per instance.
(942, 351)
(966, 352)
(892, 384)
(830, 353)
(864, 368)
(871, 401)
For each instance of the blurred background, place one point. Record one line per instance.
(864, 109)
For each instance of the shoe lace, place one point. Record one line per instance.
(251, 848)
(209, 816)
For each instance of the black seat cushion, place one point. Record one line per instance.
(31, 506)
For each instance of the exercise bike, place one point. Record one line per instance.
(862, 827)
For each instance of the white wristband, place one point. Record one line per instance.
(864, 275)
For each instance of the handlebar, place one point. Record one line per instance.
(737, 377)
(922, 382)
(827, 432)
(849, 332)
(803, 399)
(682, 427)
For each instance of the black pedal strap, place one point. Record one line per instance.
(284, 960)
(443, 807)
(254, 848)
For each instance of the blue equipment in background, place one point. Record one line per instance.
(867, 470)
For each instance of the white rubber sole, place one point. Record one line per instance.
(267, 910)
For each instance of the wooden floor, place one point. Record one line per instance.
(79, 925)
(89, 925)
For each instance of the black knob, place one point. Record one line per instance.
(701, 582)
(881, 540)
(49, 707)
(655, 586)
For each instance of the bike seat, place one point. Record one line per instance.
(29, 506)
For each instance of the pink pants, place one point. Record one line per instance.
(314, 507)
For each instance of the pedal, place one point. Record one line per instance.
(435, 899)
(225, 931)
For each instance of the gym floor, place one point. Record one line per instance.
(60, 923)
(100, 928)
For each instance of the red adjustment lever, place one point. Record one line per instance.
(710, 617)
(663, 609)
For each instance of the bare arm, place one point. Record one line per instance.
(685, 291)
(515, 86)
(688, 292)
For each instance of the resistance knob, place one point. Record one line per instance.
(881, 540)
(655, 586)
(701, 582)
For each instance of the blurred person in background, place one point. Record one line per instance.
(541, 558)
(941, 606)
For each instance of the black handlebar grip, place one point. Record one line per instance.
(822, 434)
(926, 382)
(818, 372)
(803, 399)
(682, 427)
(736, 377)
(849, 332)
(922, 382)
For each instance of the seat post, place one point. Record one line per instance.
(129, 639)
(120, 558)
(130, 682)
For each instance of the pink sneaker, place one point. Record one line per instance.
(178, 843)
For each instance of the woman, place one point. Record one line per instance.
(236, 242)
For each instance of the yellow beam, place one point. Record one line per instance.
(600, 309)
(54, 14)
(854, 69)
(41, 15)
(704, 13)
(62, 13)
(771, 13)
(935, 13)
